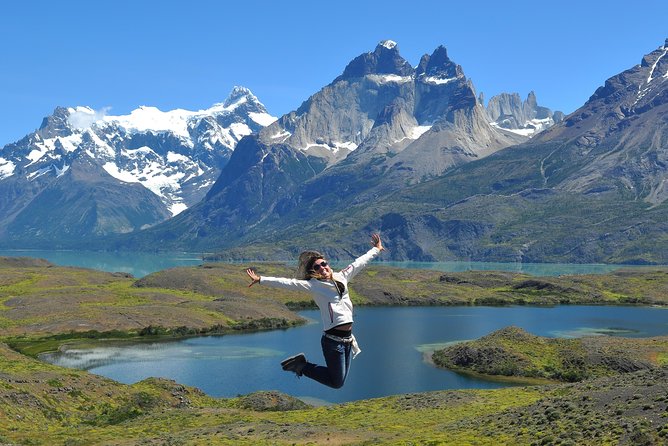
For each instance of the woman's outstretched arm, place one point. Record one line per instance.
(351, 270)
(277, 282)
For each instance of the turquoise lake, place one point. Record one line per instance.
(141, 264)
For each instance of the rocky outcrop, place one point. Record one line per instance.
(512, 351)
(508, 111)
(271, 401)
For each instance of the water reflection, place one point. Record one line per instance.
(90, 358)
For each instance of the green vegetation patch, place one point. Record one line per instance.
(44, 300)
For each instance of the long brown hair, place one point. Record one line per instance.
(306, 272)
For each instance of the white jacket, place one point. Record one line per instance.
(335, 310)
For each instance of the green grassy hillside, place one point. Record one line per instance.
(514, 352)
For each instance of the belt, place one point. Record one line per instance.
(346, 340)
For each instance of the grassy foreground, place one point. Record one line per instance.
(42, 404)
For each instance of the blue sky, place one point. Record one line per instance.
(189, 54)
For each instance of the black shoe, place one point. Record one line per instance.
(294, 364)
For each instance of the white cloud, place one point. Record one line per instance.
(84, 117)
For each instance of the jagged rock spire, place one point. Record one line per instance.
(385, 59)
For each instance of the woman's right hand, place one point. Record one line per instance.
(253, 275)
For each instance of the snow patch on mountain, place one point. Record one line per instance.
(177, 208)
(283, 135)
(415, 133)
(146, 119)
(6, 168)
(240, 130)
(332, 146)
(264, 119)
(69, 144)
(60, 172)
(388, 78)
(163, 180)
(433, 80)
(37, 153)
(529, 128)
(651, 72)
(173, 157)
(419, 130)
(389, 44)
(52, 146)
(44, 170)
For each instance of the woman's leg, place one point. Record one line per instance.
(337, 358)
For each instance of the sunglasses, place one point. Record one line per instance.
(317, 266)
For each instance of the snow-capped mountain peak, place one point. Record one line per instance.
(238, 96)
(389, 44)
(176, 154)
(151, 119)
(177, 121)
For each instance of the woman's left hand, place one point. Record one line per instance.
(377, 243)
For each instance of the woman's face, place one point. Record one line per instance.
(321, 266)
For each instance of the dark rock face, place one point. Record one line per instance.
(438, 65)
(384, 60)
(56, 124)
(441, 88)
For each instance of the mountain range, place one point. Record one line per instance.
(84, 174)
(378, 127)
(588, 189)
(412, 152)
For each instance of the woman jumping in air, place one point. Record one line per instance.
(330, 292)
